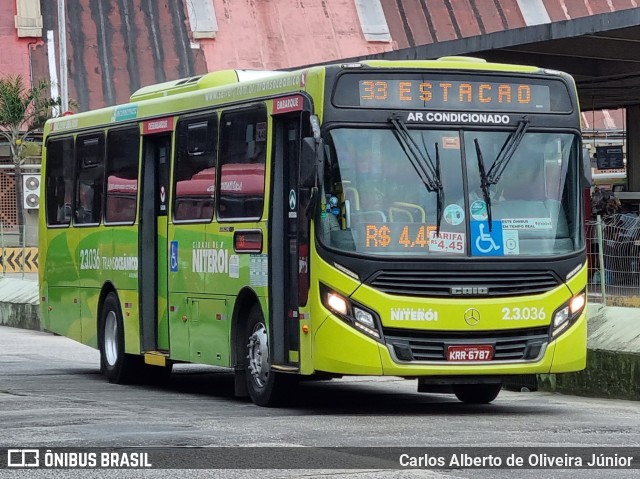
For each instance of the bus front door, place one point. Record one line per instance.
(152, 246)
(289, 231)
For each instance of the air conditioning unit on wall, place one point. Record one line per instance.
(31, 191)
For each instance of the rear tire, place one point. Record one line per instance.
(115, 364)
(265, 387)
(477, 393)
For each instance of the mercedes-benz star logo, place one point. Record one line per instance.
(472, 316)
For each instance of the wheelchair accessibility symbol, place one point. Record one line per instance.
(485, 242)
(173, 257)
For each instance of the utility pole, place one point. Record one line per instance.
(62, 40)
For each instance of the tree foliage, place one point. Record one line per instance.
(23, 110)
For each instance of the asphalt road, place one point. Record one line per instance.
(52, 395)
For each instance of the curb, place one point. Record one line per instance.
(24, 316)
(609, 374)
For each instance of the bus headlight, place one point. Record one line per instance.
(337, 303)
(364, 317)
(350, 312)
(568, 313)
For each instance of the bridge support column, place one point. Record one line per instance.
(633, 147)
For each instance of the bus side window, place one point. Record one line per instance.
(195, 168)
(242, 156)
(59, 181)
(90, 180)
(123, 148)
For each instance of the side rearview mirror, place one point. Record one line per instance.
(308, 163)
(586, 169)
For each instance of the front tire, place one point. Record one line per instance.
(115, 364)
(477, 393)
(265, 387)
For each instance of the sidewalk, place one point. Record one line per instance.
(19, 300)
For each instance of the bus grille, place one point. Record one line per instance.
(512, 345)
(440, 283)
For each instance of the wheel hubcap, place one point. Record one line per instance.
(111, 338)
(258, 355)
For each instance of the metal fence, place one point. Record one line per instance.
(613, 244)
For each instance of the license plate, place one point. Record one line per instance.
(470, 353)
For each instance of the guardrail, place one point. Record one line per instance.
(19, 260)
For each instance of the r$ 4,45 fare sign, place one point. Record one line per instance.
(412, 236)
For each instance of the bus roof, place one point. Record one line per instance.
(169, 98)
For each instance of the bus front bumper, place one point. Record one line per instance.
(340, 349)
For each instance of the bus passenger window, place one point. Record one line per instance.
(195, 168)
(59, 181)
(123, 147)
(90, 156)
(242, 155)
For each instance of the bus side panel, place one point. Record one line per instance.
(89, 298)
(59, 261)
(163, 300)
(59, 267)
(186, 272)
(105, 255)
(209, 331)
(187, 243)
(129, 301)
(64, 312)
(179, 327)
(204, 280)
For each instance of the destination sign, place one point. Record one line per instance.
(452, 93)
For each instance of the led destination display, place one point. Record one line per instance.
(452, 93)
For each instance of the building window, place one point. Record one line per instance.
(202, 18)
(372, 20)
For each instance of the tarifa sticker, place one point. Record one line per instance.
(446, 242)
(479, 210)
(454, 214)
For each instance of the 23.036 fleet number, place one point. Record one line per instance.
(523, 314)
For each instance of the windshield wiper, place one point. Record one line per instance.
(487, 179)
(507, 151)
(428, 173)
(440, 193)
(484, 181)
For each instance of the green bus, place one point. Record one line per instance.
(419, 219)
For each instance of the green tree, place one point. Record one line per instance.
(23, 111)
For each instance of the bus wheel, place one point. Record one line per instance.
(118, 367)
(477, 393)
(265, 387)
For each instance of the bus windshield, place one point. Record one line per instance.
(375, 201)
